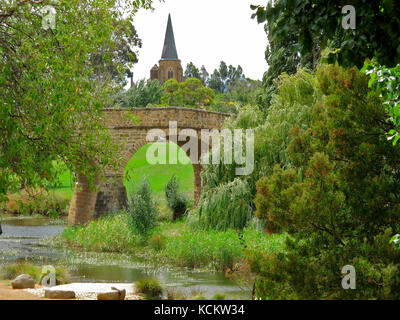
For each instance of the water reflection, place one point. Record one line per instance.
(22, 239)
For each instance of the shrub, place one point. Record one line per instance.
(226, 206)
(218, 296)
(142, 212)
(196, 249)
(343, 204)
(176, 200)
(106, 234)
(190, 93)
(48, 204)
(151, 288)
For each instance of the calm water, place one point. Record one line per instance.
(24, 239)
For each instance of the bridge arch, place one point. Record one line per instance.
(131, 128)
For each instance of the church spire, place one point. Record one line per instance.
(169, 50)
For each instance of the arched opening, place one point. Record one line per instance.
(170, 74)
(158, 162)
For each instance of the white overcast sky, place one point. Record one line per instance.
(206, 32)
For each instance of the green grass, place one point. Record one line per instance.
(106, 234)
(11, 271)
(174, 243)
(158, 175)
(138, 167)
(65, 185)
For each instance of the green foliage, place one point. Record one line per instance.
(376, 34)
(244, 91)
(49, 204)
(221, 79)
(157, 242)
(11, 271)
(396, 241)
(193, 294)
(290, 107)
(177, 201)
(190, 93)
(282, 57)
(151, 288)
(219, 296)
(173, 243)
(192, 71)
(142, 212)
(140, 95)
(226, 206)
(274, 197)
(199, 248)
(386, 81)
(48, 89)
(105, 234)
(120, 55)
(222, 103)
(337, 201)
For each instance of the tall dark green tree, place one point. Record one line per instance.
(225, 76)
(376, 34)
(192, 71)
(204, 74)
(122, 54)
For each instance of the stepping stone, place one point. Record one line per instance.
(23, 281)
(59, 294)
(112, 295)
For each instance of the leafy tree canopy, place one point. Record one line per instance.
(316, 21)
(221, 79)
(192, 71)
(188, 93)
(140, 95)
(50, 106)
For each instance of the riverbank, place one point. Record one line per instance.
(31, 240)
(174, 243)
(7, 293)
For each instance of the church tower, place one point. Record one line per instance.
(169, 66)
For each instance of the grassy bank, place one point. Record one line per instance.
(11, 271)
(173, 243)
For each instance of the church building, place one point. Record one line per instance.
(169, 66)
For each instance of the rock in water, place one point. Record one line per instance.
(23, 281)
(112, 295)
(59, 294)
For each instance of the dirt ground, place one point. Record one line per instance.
(8, 293)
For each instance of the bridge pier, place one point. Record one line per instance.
(86, 205)
(82, 204)
(111, 196)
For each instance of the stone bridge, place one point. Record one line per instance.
(110, 195)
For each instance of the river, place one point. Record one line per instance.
(25, 239)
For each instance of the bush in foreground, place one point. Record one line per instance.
(176, 200)
(339, 200)
(150, 288)
(142, 212)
